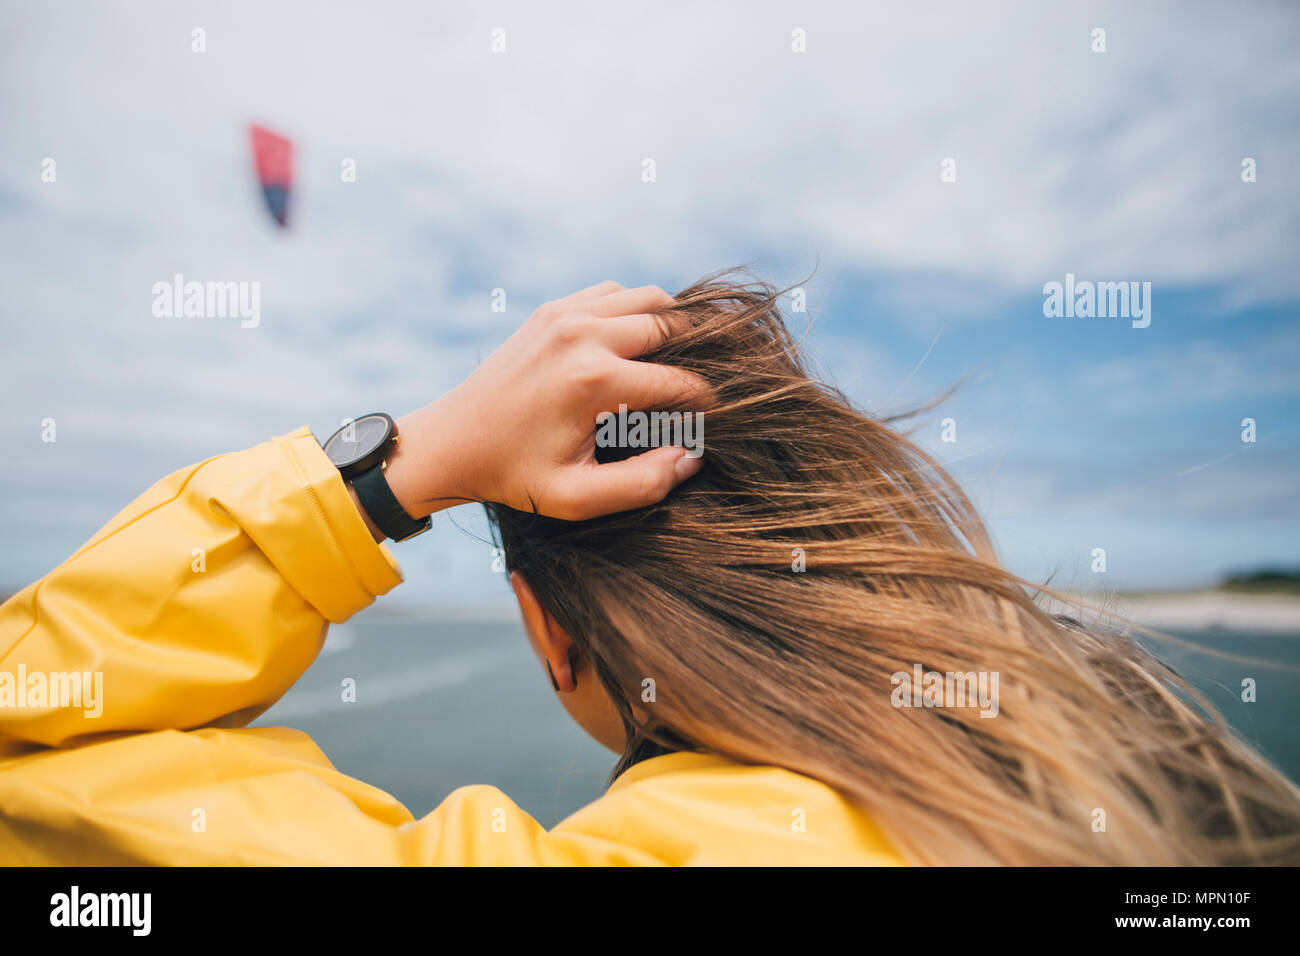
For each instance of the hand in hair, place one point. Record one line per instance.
(520, 431)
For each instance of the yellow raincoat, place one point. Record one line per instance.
(195, 609)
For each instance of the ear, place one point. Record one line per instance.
(552, 644)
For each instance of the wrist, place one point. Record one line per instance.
(424, 467)
(398, 473)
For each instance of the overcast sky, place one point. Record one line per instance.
(523, 170)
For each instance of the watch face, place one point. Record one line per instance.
(363, 438)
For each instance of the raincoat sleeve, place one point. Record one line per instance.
(200, 603)
(180, 621)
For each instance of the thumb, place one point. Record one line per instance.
(591, 490)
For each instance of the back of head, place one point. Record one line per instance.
(773, 598)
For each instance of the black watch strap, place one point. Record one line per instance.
(383, 507)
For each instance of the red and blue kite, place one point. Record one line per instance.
(273, 155)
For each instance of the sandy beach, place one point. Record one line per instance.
(1203, 610)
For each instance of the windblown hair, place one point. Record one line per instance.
(757, 662)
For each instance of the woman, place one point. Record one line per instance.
(738, 639)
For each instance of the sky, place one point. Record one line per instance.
(920, 170)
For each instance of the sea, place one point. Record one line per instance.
(443, 701)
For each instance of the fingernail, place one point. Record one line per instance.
(687, 466)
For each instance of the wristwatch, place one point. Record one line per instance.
(359, 450)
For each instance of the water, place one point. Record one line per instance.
(1272, 720)
(443, 703)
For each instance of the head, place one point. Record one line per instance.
(763, 610)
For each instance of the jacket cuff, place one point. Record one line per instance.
(334, 562)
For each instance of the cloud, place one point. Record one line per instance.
(1201, 372)
(523, 171)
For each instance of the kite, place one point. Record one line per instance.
(273, 155)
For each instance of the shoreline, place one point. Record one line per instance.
(1198, 610)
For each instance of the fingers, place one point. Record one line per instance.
(626, 336)
(629, 336)
(591, 490)
(624, 320)
(593, 292)
(645, 385)
(649, 298)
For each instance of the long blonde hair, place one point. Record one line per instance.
(1099, 754)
